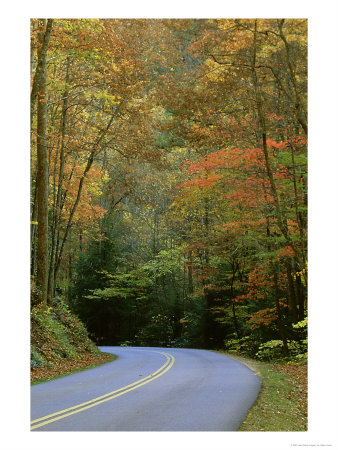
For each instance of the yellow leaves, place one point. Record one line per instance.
(181, 150)
(302, 273)
(224, 24)
(105, 177)
(296, 31)
(216, 72)
(267, 49)
(128, 219)
(114, 67)
(109, 98)
(94, 190)
(160, 113)
(85, 115)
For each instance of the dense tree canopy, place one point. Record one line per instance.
(169, 179)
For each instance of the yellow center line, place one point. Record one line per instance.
(106, 397)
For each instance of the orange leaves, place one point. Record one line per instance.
(260, 283)
(274, 116)
(263, 317)
(272, 143)
(242, 171)
(229, 158)
(239, 299)
(285, 252)
(88, 210)
(202, 182)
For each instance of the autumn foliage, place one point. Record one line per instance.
(177, 163)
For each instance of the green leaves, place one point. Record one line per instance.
(166, 262)
(134, 284)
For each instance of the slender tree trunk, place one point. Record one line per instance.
(70, 219)
(34, 207)
(298, 104)
(299, 216)
(42, 175)
(80, 242)
(34, 219)
(79, 191)
(190, 272)
(57, 205)
(292, 293)
(279, 315)
(209, 323)
(155, 229)
(190, 264)
(301, 299)
(234, 317)
(233, 307)
(281, 221)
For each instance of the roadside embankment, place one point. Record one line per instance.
(282, 402)
(60, 344)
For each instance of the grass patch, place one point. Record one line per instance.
(282, 402)
(69, 367)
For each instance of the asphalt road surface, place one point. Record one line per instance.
(148, 389)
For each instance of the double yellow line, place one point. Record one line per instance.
(37, 423)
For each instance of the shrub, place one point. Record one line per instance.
(244, 346)
(273, 350)
(37, 360)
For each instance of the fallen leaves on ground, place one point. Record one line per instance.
(298, 376)
(64, 366)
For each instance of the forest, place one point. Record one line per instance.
(169, 181)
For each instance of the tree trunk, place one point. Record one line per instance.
(292, 293)
(70, 219)
(301, 299)
(281, 221)
(42, 60)
(234, 317)
(34, 219)
(190, 270)
(208, 322)
(79, 191)
(279, 315)
(57, 206)
(238, 333)
(298, 104)
(42, 175)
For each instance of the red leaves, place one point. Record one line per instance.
(285, 252)
(263, 317)
(272, 143)
(202, 182)
(229, 158)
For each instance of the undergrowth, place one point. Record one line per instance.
(57, 336)
(282, 402)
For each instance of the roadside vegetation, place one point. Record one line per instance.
(282, 402)
(60, 344)
(169, 194)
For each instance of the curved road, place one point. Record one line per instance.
(148, 389)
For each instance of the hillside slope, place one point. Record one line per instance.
(60, 343)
